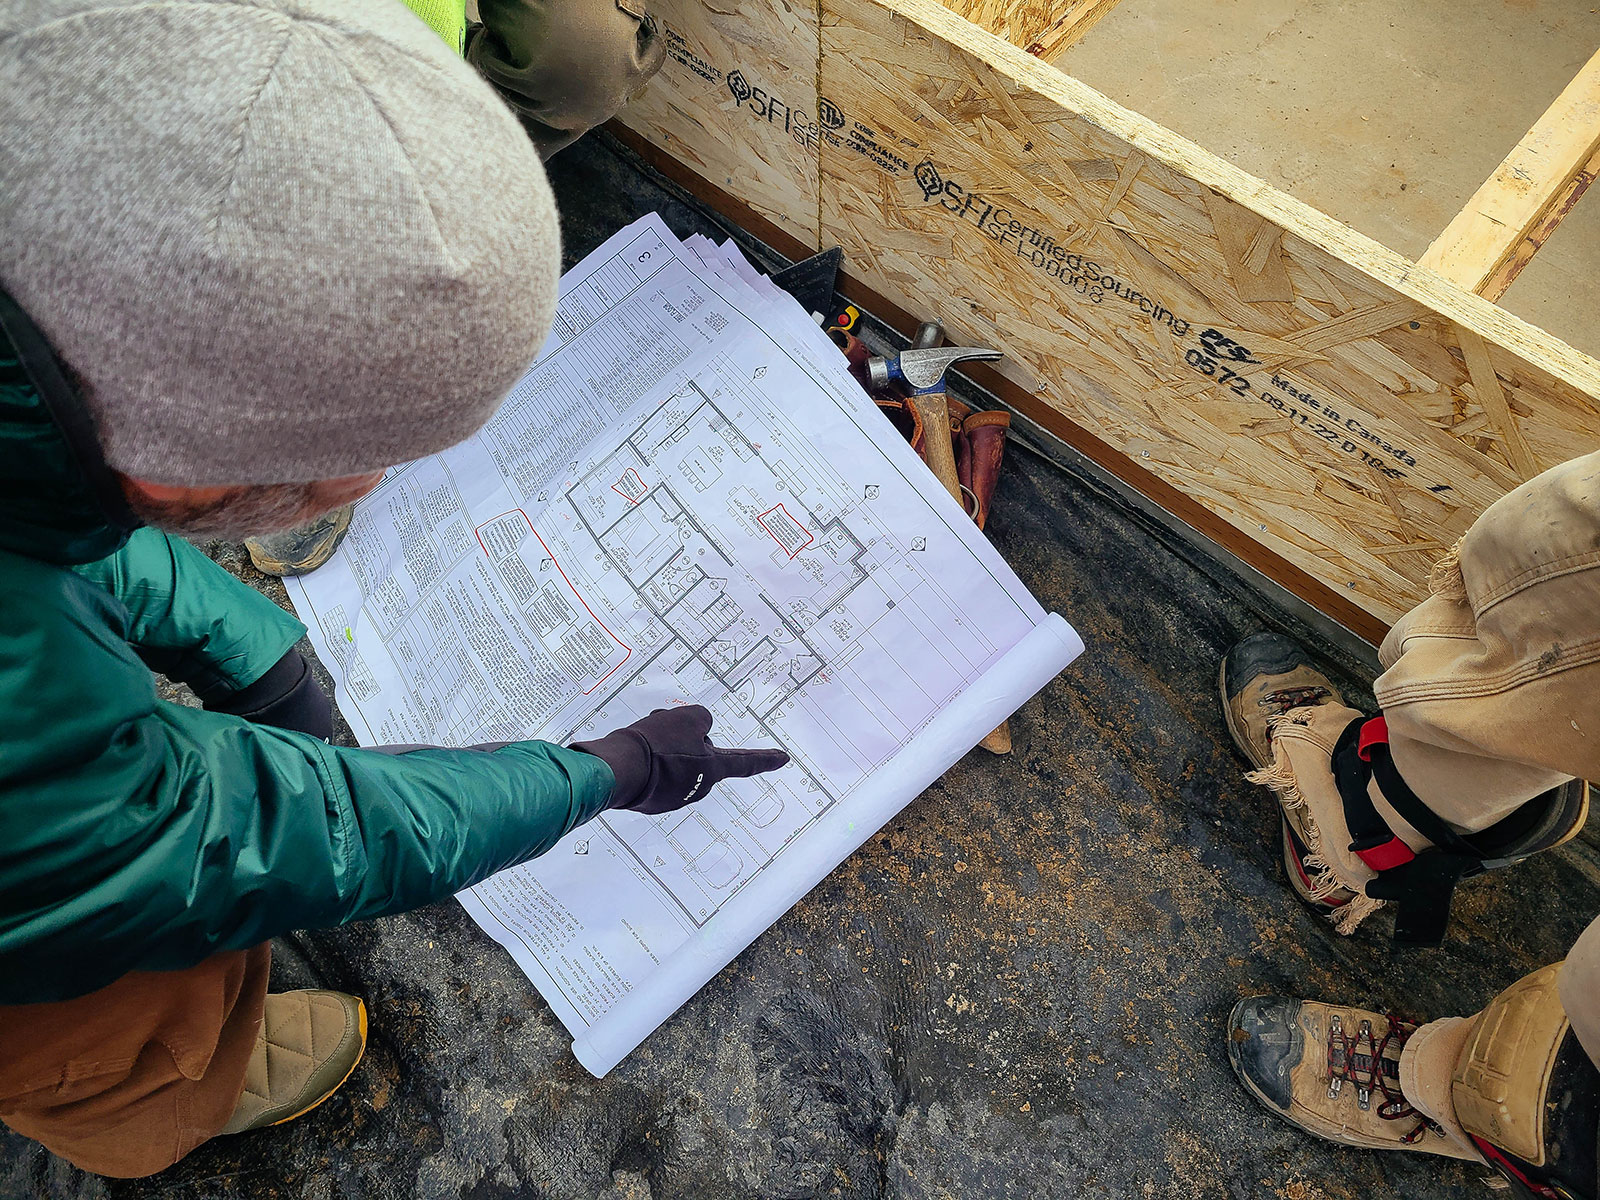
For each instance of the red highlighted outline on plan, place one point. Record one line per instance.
(478, 533)
(631, 499)
(810, 537)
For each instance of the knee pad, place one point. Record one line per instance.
(1528, 1095)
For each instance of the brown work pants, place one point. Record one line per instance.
(127, 1080)
(1491, 692)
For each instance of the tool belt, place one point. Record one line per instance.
(978, 440)
(1420, 884)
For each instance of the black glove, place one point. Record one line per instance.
(666, 760)
(287, 696)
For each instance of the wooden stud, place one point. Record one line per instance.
(1495, 285)
(1508, 219)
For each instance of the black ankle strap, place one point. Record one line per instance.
(1420, 885)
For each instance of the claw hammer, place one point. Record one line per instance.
(922, 370)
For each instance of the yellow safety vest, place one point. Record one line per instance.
(447, 18)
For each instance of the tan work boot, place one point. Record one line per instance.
(1332, 1071)
(1511, 1087)
(309, 1044)
(1261, 678)
(305, 548)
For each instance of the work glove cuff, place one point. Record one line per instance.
(631, 760)
(287, 696)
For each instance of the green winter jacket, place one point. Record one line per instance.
(139, 834)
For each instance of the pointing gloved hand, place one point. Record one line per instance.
(666, 760)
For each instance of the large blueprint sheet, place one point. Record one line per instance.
(687, 499)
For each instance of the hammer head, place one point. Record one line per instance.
(924, 369)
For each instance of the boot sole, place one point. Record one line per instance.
(361, 1052)
(267, 565)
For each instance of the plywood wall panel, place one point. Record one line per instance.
(736, 102)
(1325, 397)
(1314, 389)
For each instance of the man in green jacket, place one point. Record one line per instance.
(251, 253)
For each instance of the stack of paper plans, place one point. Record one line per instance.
(687, 499)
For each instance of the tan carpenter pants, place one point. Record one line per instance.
(1492, 687)
(1491, 692)
(127, 1080)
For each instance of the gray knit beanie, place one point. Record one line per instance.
(278, 240)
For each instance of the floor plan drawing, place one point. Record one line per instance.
(645, 557)
(686, 500)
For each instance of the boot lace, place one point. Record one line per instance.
(1360, 1061)
(1284, 699)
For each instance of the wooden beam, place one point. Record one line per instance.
(1519, 206)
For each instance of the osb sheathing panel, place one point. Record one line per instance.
(1321, 393)
(737, 102)
(1044, 28)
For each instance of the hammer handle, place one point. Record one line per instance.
(936, 445)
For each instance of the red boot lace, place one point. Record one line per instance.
(1284, 699)
(1370, 1071)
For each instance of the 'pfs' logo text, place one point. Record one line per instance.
(762, 104)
